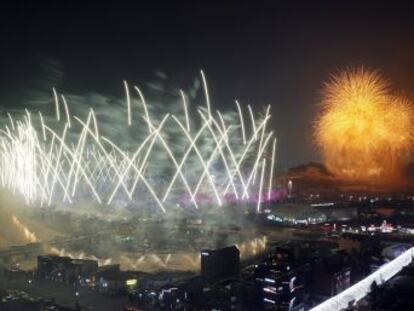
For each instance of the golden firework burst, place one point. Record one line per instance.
(363, 130)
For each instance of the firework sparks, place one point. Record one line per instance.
(74, 159)
(29, 235)
(364, 131)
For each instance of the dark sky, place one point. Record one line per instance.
(260, 52)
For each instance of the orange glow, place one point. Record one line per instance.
(363, 131)
(29, 236)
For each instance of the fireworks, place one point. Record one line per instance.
(364, 131)
(28, 235)
(154, 261)
(69, 158)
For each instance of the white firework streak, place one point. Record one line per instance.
(46, 166)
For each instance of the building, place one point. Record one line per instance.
(109, 277)
(278, 287)
(50, 265)
(64, 269)
(111, 280)
(221, 263)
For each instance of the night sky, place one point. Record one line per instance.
(275, 52)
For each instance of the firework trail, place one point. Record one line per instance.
(29, 236)
(187, 156)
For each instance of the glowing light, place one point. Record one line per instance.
(131, 282)
(56, 104)
(252, 120)
(259, 201)
(29, 236)
(269, 193)
(241, 122)
(203, 78)
(72, 160)
(364, 131)
(65, 105)
(187, 120)
(128, 103)
(144, 104)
